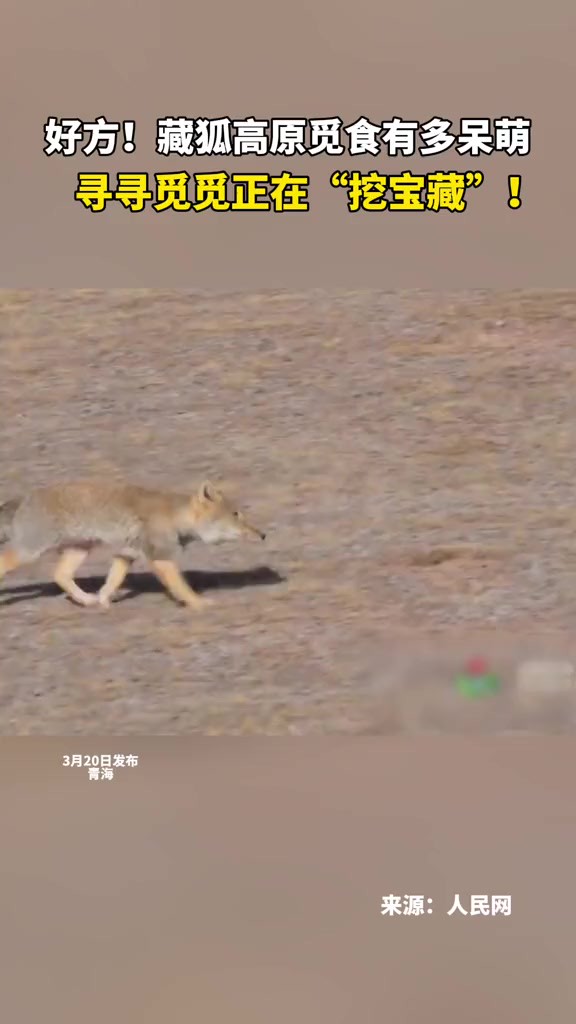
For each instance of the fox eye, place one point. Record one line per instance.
(236, 515)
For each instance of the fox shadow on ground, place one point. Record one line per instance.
(146, 583)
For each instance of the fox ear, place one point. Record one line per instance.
(208, 491)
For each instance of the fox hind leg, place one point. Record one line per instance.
(117, 574)
(68, 564)
(9, 560)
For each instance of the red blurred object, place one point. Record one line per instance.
(477, 666)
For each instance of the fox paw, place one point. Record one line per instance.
(86, 601)
(201, 604)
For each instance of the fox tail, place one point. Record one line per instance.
(7, 512)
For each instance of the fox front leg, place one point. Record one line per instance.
(170, 576)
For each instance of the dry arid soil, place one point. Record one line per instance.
(411, 456)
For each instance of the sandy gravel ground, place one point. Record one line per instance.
(410, 455)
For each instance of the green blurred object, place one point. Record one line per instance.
(477, 680)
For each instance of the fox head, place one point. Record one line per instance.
(216, 519)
